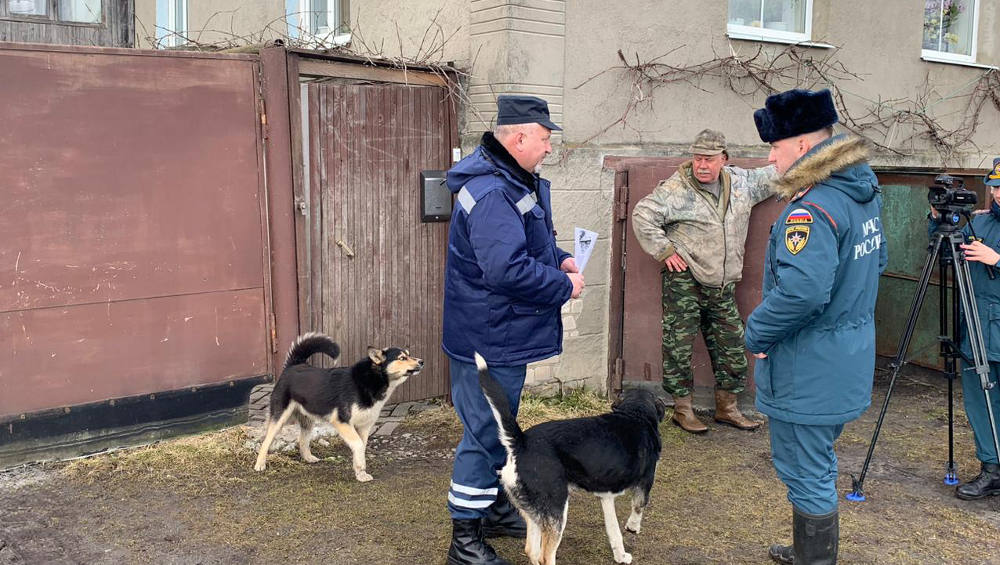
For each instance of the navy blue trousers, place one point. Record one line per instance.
(805, 461)
(975, 410)
(479, 456)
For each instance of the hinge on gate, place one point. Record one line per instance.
(621, 199)
(263, 125)
(274, 334)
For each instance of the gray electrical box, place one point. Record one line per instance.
(435, 198)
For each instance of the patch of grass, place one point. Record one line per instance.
(577, 403)
(533, 410)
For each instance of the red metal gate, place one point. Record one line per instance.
(636, 338)
(133, 256)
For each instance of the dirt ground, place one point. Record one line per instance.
(716, 499)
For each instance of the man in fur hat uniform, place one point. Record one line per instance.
(814, 330)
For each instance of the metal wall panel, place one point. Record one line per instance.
(75, 355)
(131, 236)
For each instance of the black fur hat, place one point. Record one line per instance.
(794, 112)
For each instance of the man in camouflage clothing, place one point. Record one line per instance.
(696, 223)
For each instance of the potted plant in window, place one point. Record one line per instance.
(939, 16)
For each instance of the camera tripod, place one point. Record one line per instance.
(944, 249)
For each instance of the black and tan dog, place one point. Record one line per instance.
(606, 455)
(349, 398)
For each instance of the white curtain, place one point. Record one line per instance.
(30, 7)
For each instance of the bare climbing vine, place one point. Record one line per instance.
(892, 125)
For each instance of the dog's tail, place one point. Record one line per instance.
(307, 344)
(511, 435)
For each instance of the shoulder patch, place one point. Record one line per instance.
(796, 238)
(799, 216)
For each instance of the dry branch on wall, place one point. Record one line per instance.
(428, 56)
(891, 125)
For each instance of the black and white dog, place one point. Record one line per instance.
(607, 455)
(349, 398)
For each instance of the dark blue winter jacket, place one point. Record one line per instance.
(503, 287)
(816, 319)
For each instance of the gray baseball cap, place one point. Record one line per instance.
(708, 142)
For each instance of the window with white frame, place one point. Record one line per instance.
(76, 11)
(321, 22)
(950, 30)
(171, 23)
(786, 21)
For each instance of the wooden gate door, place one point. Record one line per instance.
(377, 270)
(639, 340)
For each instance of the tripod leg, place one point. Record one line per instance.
(857, 490)
(948, 353)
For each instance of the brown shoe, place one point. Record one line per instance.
(684, 416)
(727, 412)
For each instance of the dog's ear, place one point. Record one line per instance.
(376, 355)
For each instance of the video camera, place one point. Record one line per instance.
(949, 196)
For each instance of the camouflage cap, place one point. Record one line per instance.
(709, 142)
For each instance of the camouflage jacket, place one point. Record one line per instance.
(679, 216)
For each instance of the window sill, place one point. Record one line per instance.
(325, 40)
(766, 39)
(933, 59)
(45, 20)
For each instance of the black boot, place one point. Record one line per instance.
(502, 519)
(468, 546)
(986, 484)
(782, 553)
(815, 540)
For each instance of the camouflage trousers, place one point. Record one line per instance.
(689, 307)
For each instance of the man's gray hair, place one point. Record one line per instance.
(502, 132)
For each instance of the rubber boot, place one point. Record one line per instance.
(684, 416)
(727, 412)
(503, 519)
(986, 484)
(468, 546)
(816, 540)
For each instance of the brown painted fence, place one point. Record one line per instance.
(132, 229)
(157, 224)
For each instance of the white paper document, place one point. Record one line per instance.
(583, 246)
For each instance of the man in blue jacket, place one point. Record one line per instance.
(505, 284)
(814, 330)
(980, 253)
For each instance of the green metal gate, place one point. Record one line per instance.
(904, 216)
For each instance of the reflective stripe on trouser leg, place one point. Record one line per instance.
(975, 410)
(722, 328)
(805, 461)
(479, 455)
(680, 326)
